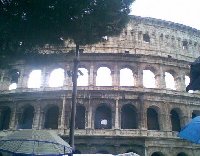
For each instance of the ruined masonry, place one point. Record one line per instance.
(131, 91)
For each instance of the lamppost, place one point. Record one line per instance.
(74, 97)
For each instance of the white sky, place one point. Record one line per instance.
(185, 12)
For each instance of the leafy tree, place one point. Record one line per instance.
(28, 25)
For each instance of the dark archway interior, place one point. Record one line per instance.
(103, 118)
(128, 117)
(152, 119)
(175, 120)
(51, 118)
(27, 118)
(5, 118)
(80, 117)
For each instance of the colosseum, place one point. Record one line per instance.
(131, 91)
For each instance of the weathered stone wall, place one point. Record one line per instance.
(146, 44)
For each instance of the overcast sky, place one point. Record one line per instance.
(186, 12)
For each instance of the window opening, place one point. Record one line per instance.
(56, 78)
(149, 79)
(104, 77)
(126, 77)
(146, 38)
(152, 119)
(175, 121)
(34, 80)
(169, 81)
(82, 77)
(103, 118)
(51, 121)
(128, 117)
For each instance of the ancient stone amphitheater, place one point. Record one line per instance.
(131, 93)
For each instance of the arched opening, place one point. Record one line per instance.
(149, 79)
(5, 118)
(146, 38)
(51, 118)
(104, 77)
(57, 77)
(175, 121)
(169, 81)
(103, 118)
(187, 81)
(34, 80)
(195, 113)
(129, 117)
(152, 119)
(126, 77)
(26, 120)
(80, 117)
(82, 77)
(157, 154)
(14, 74)
(182, 154)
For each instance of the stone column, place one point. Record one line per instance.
(160, 79)
(36, 121)
(142, 113)
(13, 121)
(6, 83)
(24, 76)
(139, 78)
(117, 114)
(180, 82)
(62, 121)
(41, 119)
(91, 76)
(21, 78)
(116, 77)
(89, 125)
(45, 78)
(1, 80)
(68, 77)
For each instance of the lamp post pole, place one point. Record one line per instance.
(74, 97)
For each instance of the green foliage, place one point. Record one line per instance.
(26, 25)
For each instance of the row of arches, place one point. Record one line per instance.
(103, 78)
(103, 118)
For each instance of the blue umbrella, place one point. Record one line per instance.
(191, 131)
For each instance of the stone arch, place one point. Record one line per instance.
(129, 117)
(34, 80)
(103, 117)
(146, 37)
(157, 154)
(149, 76)
(26, 119)
(175, 120)
(5, 118)
(152, 119)
(126, 77)
(56, 77)
(195, 113)
(83, 77)
(80, 117)
(104, 77)
(170, 79)
(182, 154)
(51, 117)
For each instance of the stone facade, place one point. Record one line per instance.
(145, 120)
